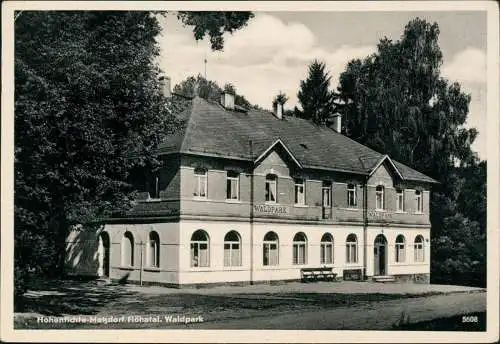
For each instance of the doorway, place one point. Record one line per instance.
(380, 256)
(103, 255)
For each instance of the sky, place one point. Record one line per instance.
(272, 52)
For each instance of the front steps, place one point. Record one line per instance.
(384, 279)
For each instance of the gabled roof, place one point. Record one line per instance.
(389, 160)
(211, 130)
(272, 146)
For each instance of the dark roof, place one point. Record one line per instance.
(211, 130)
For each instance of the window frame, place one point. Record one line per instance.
(327, 240)
(232, 249)
(300, 183)
(419, 202)
(419, 249)
(129, 237)
(231, 179)
(299, 246)
(267, 244)
(271, 180)
(153, 259)
(195, 245)
(380, 193)
(349, 249)
(199, 175)
(400, 196)
(351, 189)
(400, 249)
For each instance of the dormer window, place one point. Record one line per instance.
(200, 183)
(379, 198)
(271, 186)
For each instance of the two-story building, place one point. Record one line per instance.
(248, 196)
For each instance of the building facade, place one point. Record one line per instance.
(247, 196)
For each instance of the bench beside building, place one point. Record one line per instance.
(249, 196)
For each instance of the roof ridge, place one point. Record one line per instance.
(188, 124)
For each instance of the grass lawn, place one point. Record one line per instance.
(77, 298)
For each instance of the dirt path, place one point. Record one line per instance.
(380, 315)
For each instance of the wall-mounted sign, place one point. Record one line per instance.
(270, 209)
(380, 215)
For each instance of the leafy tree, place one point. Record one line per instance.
(208, 89)
(280, 99)
(396, 102)
(314, 95)
(88, 110)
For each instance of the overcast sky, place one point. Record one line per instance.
(271, 54)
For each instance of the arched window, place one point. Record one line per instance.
(400, 249)
(232, 249)
(326, 250)
(270, 254)
(200, 256)
(419, 204)
(351, 247)
(418, 249)
(200, 183)
(153, 253)
(271, 185)
(299, 249)
(128, 249)
(379, 198)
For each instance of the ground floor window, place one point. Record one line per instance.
(418, 249)
(128, 249)
(232, 249)
(352, 249)
(154, 250)
(270, 252)
(400, 249)
(326, 249)
(299, 249)
(200, 256)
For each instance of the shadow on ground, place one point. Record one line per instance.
(72, 297)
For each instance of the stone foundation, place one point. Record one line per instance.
(413, 278)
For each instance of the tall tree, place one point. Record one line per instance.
(396, 102)
(88, 110)
(314, 95)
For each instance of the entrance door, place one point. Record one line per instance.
(380, 255)
(104, 255)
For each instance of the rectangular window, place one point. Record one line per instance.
(232, 189)
(400, 252)
(300, 192)
(419, 202)
(418, 250)
(351, 253)
(400, 200)
(199, 254)
(351, 195)
(200, 183)
(299, 254)
(379, 198)
(232, 254)
(270, 254)
(326, 253)
(271, 189)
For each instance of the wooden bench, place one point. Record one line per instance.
(315, 274)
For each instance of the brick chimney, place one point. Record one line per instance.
(227, 100)
(165, 85)
(337, 122)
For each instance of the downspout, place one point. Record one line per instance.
(251, 214)
(365, 226)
